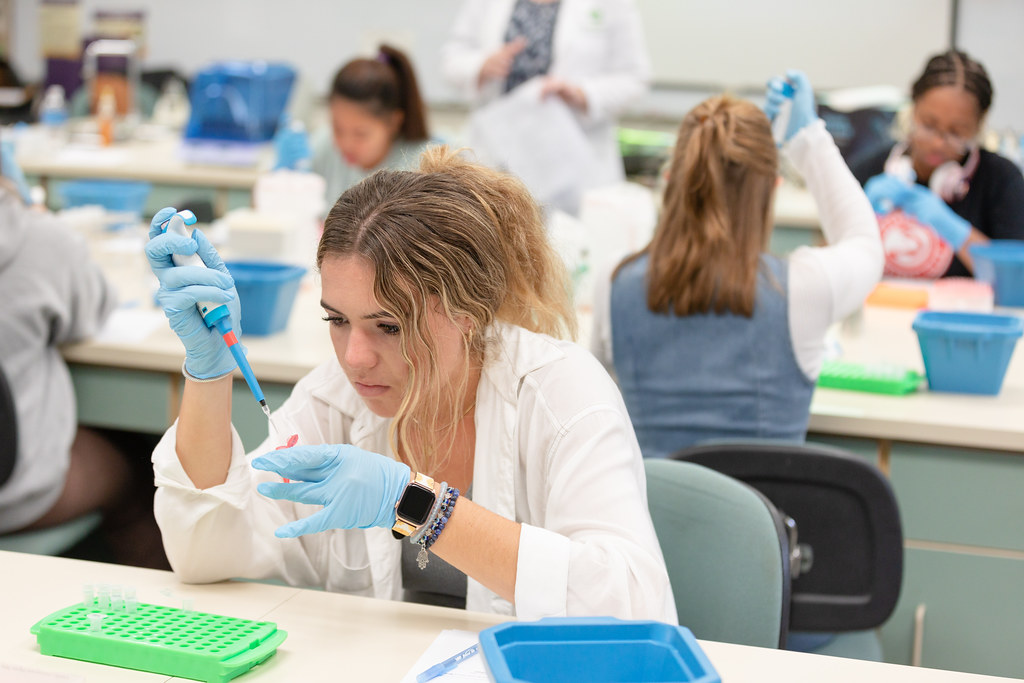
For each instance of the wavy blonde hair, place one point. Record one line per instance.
(716, 216)
(473, 240)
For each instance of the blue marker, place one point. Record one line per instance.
(448, 664)
(214, 315)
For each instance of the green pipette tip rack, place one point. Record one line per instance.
(874, 378)
(159, 639)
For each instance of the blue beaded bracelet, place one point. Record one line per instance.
(436, 525)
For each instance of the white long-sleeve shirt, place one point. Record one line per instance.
(827, 283)
(555, 451)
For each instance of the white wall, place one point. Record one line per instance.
(731, 43)
(992, 31)
(838, 43)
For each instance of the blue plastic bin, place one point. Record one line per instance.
(1000, 263)
(117, 196)
(594, 649)
(266, 292)
(238, 101)
(966, 352)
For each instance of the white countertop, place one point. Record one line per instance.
(335, 637)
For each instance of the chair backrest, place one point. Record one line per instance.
(727, 553)
(8, 430)
(848, 527)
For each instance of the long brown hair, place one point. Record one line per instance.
(468, 237)
(716, 215)
(385, 84)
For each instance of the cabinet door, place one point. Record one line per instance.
(974, 613)
(135, 400)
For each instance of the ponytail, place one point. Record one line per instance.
(385, 85)
(716, 214)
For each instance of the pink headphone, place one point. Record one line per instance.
(950, 180)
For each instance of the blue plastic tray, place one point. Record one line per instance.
(1000, 263)
(966, 352)
(266, 292)
(594, 649)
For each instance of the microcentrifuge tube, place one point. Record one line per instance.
(104, 596)
(87, 596)
(186, 605)
(116, 603)
(95, 621)
(130, 603)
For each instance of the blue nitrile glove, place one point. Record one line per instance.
(291, 147)
(181, 287)
(10, 170)
(928, 208)
(886, 192)
(804, 111)
(358, 489)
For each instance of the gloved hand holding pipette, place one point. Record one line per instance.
(199, 298)
(796, 93)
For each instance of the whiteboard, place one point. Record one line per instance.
(739, 44)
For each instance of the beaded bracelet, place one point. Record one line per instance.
(422, 530)
(436, 526)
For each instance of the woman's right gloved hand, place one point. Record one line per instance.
(804, 111)
(182, 287)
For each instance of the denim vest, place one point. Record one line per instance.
(708, 376)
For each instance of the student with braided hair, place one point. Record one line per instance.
(941, 177)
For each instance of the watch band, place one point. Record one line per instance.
(403, 527)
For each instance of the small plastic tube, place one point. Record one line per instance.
(187, 605)
(95, 621)
(88, 599)
(103, 599)
(116, 602)
(130, 603)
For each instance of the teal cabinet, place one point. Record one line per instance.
(972, 613)
(963, 580)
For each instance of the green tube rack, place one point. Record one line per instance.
(159, 639)
(874, 378)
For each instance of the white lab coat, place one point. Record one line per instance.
(554, 450)
(598, 45)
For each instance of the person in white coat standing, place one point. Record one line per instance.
(589, 53)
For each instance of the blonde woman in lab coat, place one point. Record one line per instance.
(589, 53)
(451, 412)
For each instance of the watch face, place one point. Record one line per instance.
(415, 504)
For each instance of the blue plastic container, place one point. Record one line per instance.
(116, 196)
(966, 352)
(266, 292)
(238, 101)
(594, 649)
(1000, 263)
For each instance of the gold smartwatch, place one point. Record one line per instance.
(413, 509)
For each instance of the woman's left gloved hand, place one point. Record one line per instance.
(356, 488)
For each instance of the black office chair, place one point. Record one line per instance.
(849, 569)
(49, 541)
(8, 431)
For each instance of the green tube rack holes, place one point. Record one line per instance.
(159, 639)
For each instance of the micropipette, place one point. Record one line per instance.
(214, 315)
